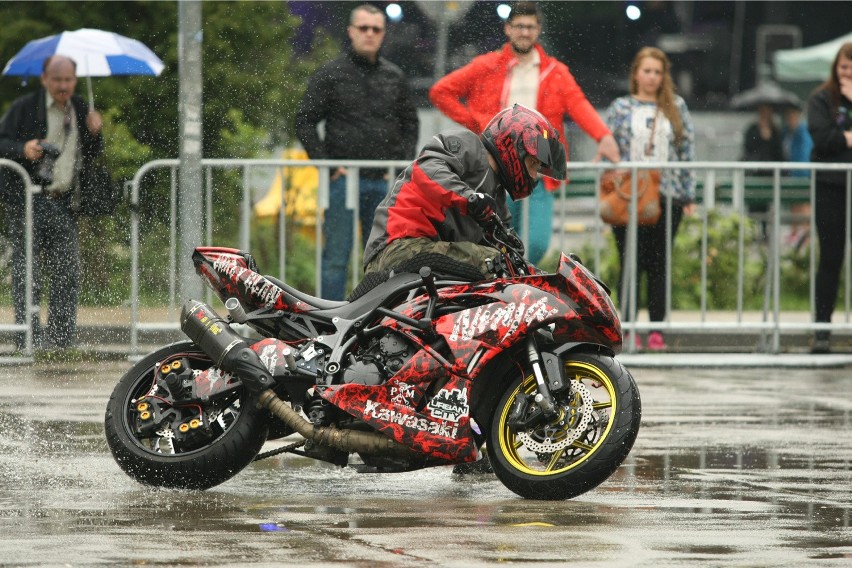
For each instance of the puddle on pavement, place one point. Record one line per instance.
(708, 478)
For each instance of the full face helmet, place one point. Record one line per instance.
(515, 133)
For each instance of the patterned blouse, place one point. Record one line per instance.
(631, 121)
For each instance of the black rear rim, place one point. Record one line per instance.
(163, 424)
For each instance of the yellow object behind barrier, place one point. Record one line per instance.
(300, 184)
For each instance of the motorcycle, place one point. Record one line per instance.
(425, 366)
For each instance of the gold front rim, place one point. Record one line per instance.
(571, 447)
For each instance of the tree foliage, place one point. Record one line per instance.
(248, 66)
(252, 84)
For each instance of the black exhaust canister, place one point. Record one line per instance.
(229, 351)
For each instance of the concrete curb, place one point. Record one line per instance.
(735, 360)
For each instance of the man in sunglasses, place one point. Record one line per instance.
(521, 72)
(369, 114)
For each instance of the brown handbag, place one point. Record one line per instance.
(616, 188)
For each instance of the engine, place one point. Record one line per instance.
(379, 361)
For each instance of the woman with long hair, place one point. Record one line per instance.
(830, 126)
(652, 123)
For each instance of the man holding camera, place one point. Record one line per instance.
(55, 137)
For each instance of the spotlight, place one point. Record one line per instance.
(394, 12)
(633, 12)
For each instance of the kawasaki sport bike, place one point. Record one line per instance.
(429, 364)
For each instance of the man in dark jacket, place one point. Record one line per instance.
(55, 137)
(369, 115)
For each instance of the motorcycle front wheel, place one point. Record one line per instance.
(163, 442)
(559, 458)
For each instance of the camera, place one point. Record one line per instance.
(45, 168)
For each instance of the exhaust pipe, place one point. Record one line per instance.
(232, 354)
(229, 351)
(344, 440)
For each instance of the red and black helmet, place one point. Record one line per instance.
(515, 133)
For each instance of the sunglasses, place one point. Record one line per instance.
(364, 29)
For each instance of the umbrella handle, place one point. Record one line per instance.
(91, 94)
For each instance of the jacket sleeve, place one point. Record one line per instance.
(454, 163)
(409, 123)
(686, 151)
(313, 108)
(580, 109)
(10, 147)
(827, 135)
(447, 94)
(750, 137)
(618, 122)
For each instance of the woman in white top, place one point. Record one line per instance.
(632, 121)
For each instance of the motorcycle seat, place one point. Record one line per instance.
(380, 295)
(314, 301)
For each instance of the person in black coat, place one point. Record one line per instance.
(762, 141)
(55, 137)
(369, 115)
(830, 126)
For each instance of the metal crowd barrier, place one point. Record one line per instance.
(30, 189)
(720, 184)
(710, 178)
(245, 221)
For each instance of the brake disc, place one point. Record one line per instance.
(558, 435)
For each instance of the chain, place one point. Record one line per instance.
(281, 450)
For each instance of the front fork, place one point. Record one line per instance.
(544, 398)
(530, 411)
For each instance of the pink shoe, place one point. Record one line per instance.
(656, 342)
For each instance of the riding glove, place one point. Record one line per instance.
(482, 207)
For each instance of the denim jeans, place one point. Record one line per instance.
(56, 256)
(337, 231)
(540, 224)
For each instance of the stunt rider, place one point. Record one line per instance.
(429, 209)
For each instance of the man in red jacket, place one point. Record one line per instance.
(523, 73)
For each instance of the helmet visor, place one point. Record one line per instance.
(549, 150)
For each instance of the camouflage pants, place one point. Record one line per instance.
(401, 250)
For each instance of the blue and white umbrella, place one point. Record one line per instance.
(97, 54)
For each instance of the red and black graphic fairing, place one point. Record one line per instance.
(229, 275)
(212, 382)
(440, 428)
(570, 299)
(595, 318)
(503, 312)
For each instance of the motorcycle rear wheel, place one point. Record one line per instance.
(236, 432)
(598, 422)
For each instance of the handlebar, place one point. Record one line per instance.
(498, 236)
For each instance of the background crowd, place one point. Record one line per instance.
(367, 109)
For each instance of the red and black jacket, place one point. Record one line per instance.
(429, 198)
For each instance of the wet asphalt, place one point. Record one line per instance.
(732, 467)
